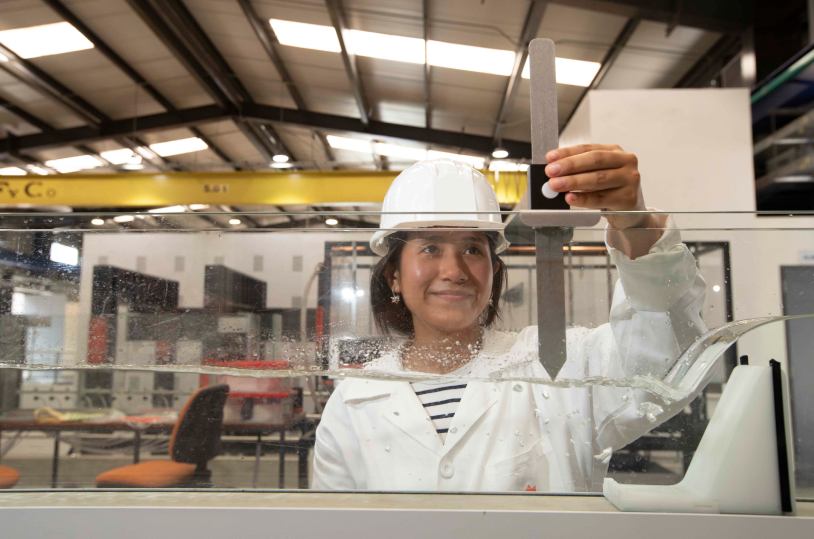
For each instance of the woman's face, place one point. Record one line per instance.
(445, 278)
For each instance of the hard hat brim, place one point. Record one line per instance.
(378, 242)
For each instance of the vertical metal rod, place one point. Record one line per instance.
(137, 447)
(608, 265)
(257, 453)
(55, 464)
(550, 299)
(282, 459)
(570, 305)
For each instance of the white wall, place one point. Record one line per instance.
(695, 155)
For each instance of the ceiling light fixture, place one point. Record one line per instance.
(124, 218)
(306, 36)
(73, 164)
(12, 171)
(97, 222)
(44, 40)
(331, 222)
(176, 147)
(198, 206)
(500, 153)
(281, 165)
(280, 158)
(234, 221)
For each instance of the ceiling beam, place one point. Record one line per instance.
(268, 39)
(610, 57)
(262, 113)
(337, 14)
(530, 27)
(175, 26)
(40, 81)
(128, 70)
(725, 16)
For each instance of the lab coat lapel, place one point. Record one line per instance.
(478, 398)
(404, 410)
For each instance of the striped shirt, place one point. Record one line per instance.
(440, 399)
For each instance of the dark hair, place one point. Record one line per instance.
(396, 317)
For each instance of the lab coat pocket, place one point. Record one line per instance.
(528, 471)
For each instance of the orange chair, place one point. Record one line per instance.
(8, 477)
(195, 440)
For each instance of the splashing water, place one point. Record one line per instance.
(649, 410)
(605, 456)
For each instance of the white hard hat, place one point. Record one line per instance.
(434, 189)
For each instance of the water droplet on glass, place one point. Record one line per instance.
(395, 413)
(605, 456)
(546, 395)
(387, 449)
(545, 422)
(518, 388)
(517, 433)
(522, 444)
(453, 430)
(626, 398)
(536, 412)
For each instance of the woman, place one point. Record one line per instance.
(440, 290)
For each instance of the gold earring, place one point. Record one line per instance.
(395, 298)
(491, 302)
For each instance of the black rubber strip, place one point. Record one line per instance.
(780, 427)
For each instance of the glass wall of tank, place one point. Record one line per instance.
(120, 337)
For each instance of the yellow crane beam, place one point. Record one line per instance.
(232, 188)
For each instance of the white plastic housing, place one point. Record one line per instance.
(735, 469)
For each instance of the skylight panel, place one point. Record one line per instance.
(573, 72)
(306, 36)
(467, 58)
(388, 47)
(176, 147)
(12, 171)
(473, 160)
(124, 156)
(44, 40)
(73, 164)
(403, 152)
(352, 144)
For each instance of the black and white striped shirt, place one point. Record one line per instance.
(440, 399)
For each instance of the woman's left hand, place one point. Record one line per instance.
(605, 177)
(599, 176)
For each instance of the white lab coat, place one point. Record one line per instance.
(510, 435)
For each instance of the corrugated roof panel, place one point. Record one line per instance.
(652, 60)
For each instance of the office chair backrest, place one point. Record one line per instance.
(196, 435)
